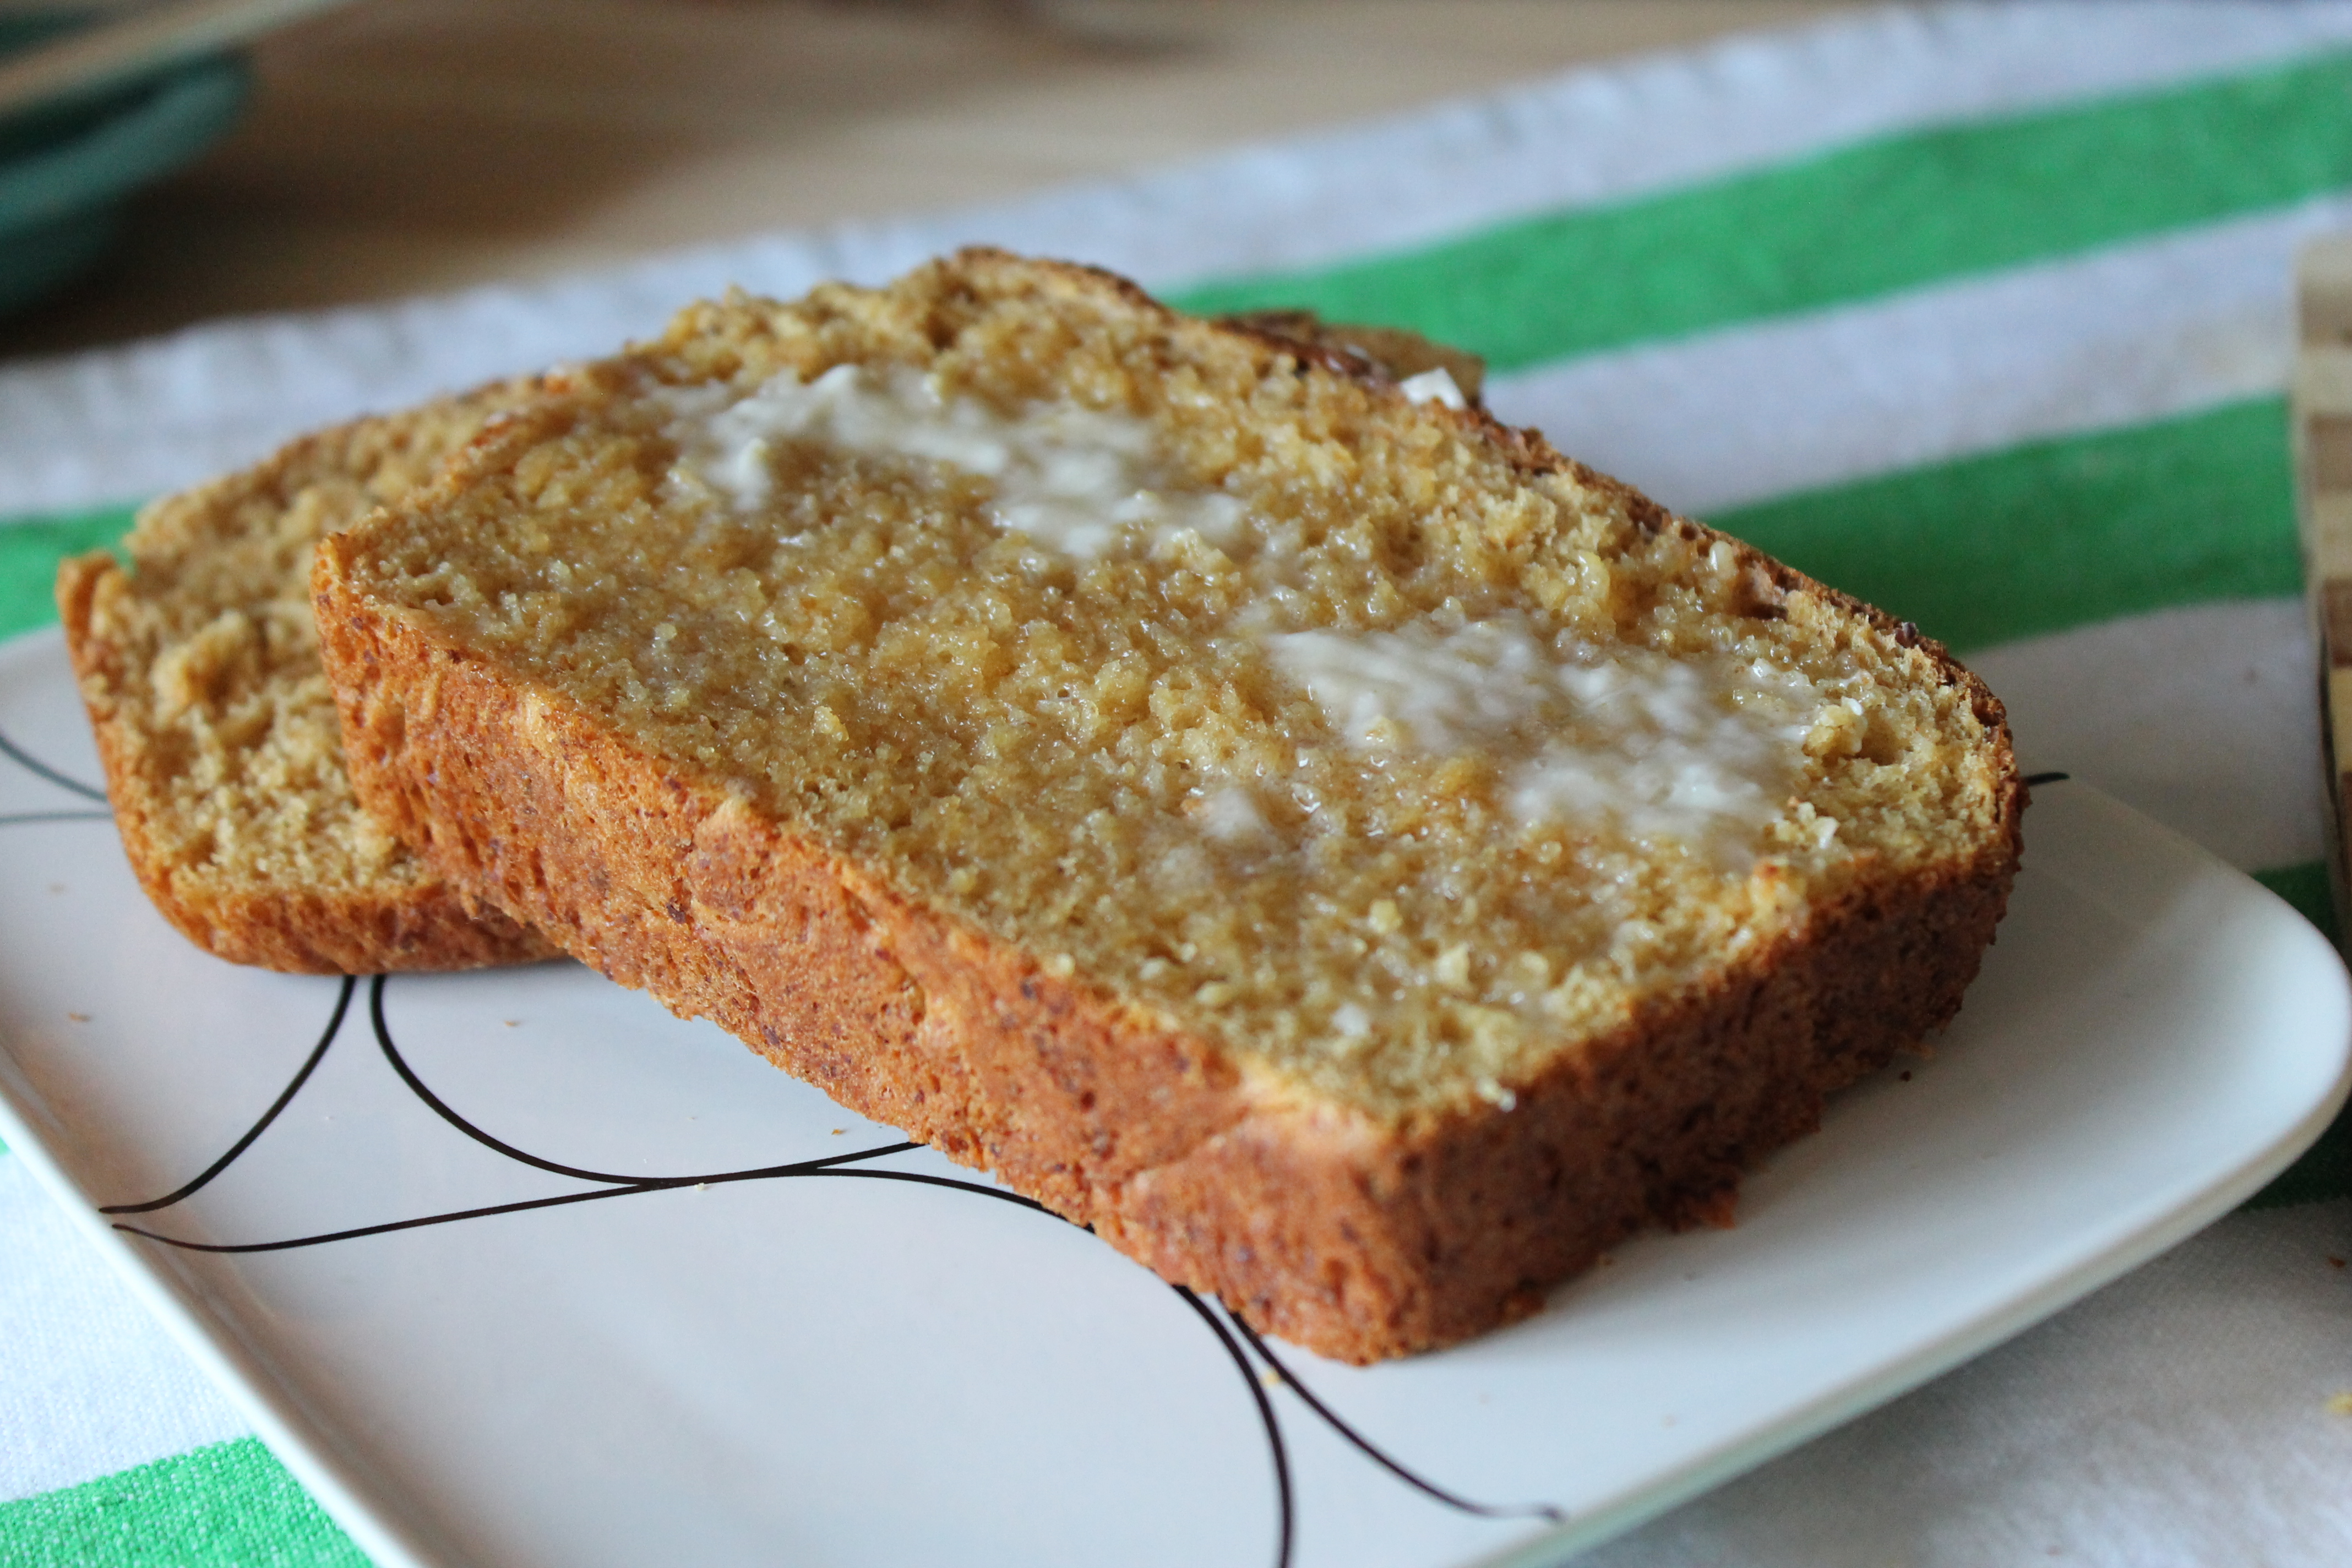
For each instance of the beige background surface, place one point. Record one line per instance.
(401, 146)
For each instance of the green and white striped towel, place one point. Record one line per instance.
(1981, 312)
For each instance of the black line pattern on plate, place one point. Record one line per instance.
(18, 819)
(523, 1206)
(650, 1183)
(1364, 1446)
(33, 765)
(850, 1165)
(617, 1185)
(2034, 781)
(309, 1064)
(1264, 1414)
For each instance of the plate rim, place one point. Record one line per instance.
(1835, 1406)
(293, 1439)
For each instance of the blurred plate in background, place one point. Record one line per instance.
(66, 168)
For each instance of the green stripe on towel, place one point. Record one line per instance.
(2057, 534)
(1858, 222)
(230, 1505)
(30, 548)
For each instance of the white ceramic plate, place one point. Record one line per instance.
(885, 1359)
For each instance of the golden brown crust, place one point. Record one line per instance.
(404, 920)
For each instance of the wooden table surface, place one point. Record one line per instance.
(406, 146)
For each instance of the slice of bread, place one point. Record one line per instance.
(199, 664)
(1359, 861)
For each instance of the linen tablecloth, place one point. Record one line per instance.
(1981, 312)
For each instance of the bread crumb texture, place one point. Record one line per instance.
(198, 659)
(1101, 755)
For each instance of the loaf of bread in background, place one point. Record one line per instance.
(1359, 861)
(1392, 353)
(199, 664)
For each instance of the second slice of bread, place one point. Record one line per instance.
(1358, 860)
(199, 664)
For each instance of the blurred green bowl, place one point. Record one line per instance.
(64, 168)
